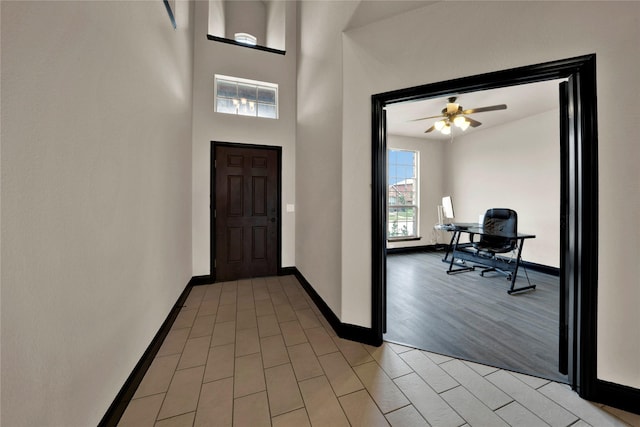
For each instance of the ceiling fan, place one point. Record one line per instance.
(453, 114)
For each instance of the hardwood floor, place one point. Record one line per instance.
(472, 317)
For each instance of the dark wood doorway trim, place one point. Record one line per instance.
(212, 200)
(580, 210)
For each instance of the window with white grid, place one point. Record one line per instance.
(402, 194)
(246, 97)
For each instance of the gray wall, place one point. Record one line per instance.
(96, 208)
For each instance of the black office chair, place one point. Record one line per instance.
(501, 228)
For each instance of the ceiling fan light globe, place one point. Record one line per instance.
(446, 130)
(464, 125)
(459, 121)
(439, 124)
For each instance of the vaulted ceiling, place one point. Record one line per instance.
(372, 11)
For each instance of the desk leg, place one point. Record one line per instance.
(515, 273)
(455, 239)
(450, 247)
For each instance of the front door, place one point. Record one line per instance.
(246, 211)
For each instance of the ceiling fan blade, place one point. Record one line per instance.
(430, 129)
(484, 109)
(473, 123)
(431, 117)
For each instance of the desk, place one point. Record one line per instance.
(462, 251)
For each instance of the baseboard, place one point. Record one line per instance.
(120, 403)
(343, 330)
(360, 334)
(317, 299)
(553, 271)
(414, 249)
(618, 396)
(285, 271)
(202, 280)
(208, 279)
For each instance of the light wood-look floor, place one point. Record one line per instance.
(472, 317)
(258, 352)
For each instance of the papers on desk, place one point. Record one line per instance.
(450, 227)
(444, 227)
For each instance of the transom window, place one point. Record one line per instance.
(246, 97)
(402, 194)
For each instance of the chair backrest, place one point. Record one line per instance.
(501, 226)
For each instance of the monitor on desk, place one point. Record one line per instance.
(445, 211)
(447, 208)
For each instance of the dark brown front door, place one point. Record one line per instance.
(246, 211)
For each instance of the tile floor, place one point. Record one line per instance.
(259, 353)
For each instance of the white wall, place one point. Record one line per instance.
(216, 26)
(1, 135)
(96, 209)
(517, 166)
(430, 186)
(318, 148)
(246, 16)
(408, 50)
(276, 24)
(220, 58)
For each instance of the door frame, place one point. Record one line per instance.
(579, 211)
(212, 200)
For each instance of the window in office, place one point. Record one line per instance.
(246, 97)
(402, 194)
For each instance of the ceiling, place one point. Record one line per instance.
(368, 12)
(522, 101)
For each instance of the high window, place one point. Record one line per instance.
(263, 20)
(402, 194)
(246, 97)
